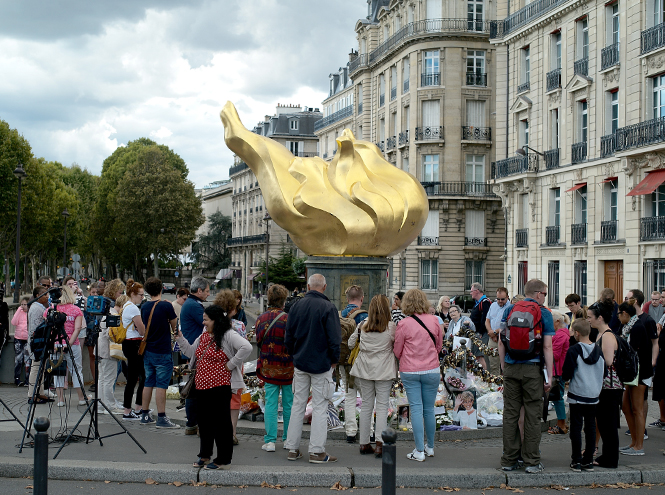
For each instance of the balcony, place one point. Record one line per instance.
(430, 78)
(405, 87)
(551, 159)
(522, 238)
(360, 108)
(578, 152)
(642, 134)
(607, 145)
(608, 231)
(523, 16)
(581, 67)
(459, 189)
(578, 233)
(390, 143)
(382, 99)
(380, 146)
(475, 241)
(429, 133)
(523, 87)
(237, 168)
(325, 155)
(359, 62)
(252, 239)
(553, 79)
(609, 56)
(652, 229)
(552, 235)
(393, 93)
(333, 117)
(652, 38)
(473, 133)
(516, 165)
(476, 79)
(428, 241)
(403, 138)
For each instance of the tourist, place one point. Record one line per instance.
(313, 336)
(274, 365)
(478, 316)
(658, 394)
(35, 318)
(560, 346)
(608, 294)
(374, 369)
(457, 322)
(21, 353)
(653, 307)
(107, 365)
(418, 341)
(131, 320)
(4, 321)
(574, 304)
(240, 311)
(180, 298)
(493, 327)
(396, 312)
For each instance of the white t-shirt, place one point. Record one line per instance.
(129, 311)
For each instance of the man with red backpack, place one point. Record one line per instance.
(525, 346)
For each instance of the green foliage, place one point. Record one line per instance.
(281, 269)
(210, 251)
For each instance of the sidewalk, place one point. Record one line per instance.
(469, 463)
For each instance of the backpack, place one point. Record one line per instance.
(522, 335)
(348, 325)
(38, 340)
(118, 334)
(626, 362)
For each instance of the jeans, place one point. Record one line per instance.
(350, 399)
(421, 392)
(583, 413)
(158, 369)
(135, 373)
(272, 405)
(190, 412)
(371, 390)
(21, 360)
(215, 427)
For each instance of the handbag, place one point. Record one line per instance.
(188, 391)
(355, 351)
(145, 335)
(115, 350)
(58, 368)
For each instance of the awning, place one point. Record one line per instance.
(610, 179)
(252, 275)
(576, 187)
(228, 275)
(649, 184)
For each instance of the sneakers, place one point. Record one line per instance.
(416, 456)
(518, 465)
(576, 466)
(268, 447)
(646, 435)
(631, 451)
(132, 416)
(587, 467)
(350, 439)
(657, 424)
(429, 451)
(164, 422)
(321, 458)
(61, 404)
(191, 430)
(294, 455)
(146, 419)
(539, 468)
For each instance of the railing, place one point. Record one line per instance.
(524, 87)
(551, 159)
(406, 86)
(608, 231)
(252, 239)
(578, 233)
(390, 142)
(521, 238)
(430, 78)
(516, 165)
(498, 29)
(360, 107)
(642, 134)
(237, 168)
(471, 133)
(393, 93)
(382, 99)
(305, 153)
(553, 79)
(552, 235)
(403, 138)
(358, 62)
(607, 145)
(652, 38)
(578, 152)
(380, 146)
(429, 133)
(325, 155)
(581, 66)
(609, 56)
(652, 228)
(428, 241)
(333, 117)
(475, 241)
(476, 79)
(458, 189)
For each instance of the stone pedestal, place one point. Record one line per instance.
(344, 271)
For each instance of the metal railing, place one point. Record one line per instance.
(252, 239)
(334, 117)
(429, 133)
(652, 228)
(358, 62)
(552, 235)
(237, 168)
(578, 152)
(553, 79)
(393, 93)
(608, 231)
(516, 165)
(524, 87)
(581, 66)
(428, 241)
(607, 145)
(458, 189)
(403, 138)
(430, 78)
(521, 238)
(523, 16)
(382, 99)
(642, 134)
(476, 79)
(652, 38)
(609, 56)
(473, 133)
(578, 233)
(360, 107)
(405, 87)
(551, 158)
(380, 145)
(325, 155)
(390, 142)
(475, 241)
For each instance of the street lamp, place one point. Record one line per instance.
(267, 219)
(65, 214)
(522, 151)
(20, 174)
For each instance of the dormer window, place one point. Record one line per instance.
(293, 124)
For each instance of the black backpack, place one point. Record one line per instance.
(38, 340)
(626, 362)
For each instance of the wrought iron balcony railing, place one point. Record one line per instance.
(252, 239)
(475, 241)
(428, 241)
(581, 66)
(237, 168)
(516, 165)
(498, 29)
(430, 78)
(553, 79)
(551, 159)
(608, 231)
(652, 228)
(578, 233)
(521, 238)
(390, 143)
(652, 38)
(403, 138)
(380, 145)
(526, 86)
(429, 133)
(459, 189)
(405, 86)
(607, 145)
(476, 79)
(578, 152)
(609, 56)
(393, 93)
(359, 62)
(472, 133)
(552, 235)
(642, 134)
(334, 117)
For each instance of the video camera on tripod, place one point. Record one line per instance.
(101, 306)
(44, 335)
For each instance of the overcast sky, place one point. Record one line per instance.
(81, 77)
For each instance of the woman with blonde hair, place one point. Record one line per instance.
(374, 369)
(131, 320)
(418, 341)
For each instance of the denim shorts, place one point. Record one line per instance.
(158, 369)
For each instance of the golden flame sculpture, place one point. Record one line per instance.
(357, 205)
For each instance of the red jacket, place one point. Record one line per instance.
(560, 344)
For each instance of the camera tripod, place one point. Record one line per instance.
(14, 417)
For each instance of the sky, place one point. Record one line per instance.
(80, 78)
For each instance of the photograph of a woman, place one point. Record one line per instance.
(464, 411)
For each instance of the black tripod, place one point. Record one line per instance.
(12, 415)
(93, 408)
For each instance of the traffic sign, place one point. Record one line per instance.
(76, 265)
(177, 274)
(76, 257)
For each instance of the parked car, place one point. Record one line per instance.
(464, 301)
(168, 289)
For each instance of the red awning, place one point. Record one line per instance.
(577, 186)
(610, 179)
(649, 184)
(252, 275)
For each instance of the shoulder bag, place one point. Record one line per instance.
(145, 335)
(188, 390)
(276, 371)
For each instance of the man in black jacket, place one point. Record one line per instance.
(313, 337)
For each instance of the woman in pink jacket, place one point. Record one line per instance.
(560, 344)
(21, 351)
(418, 341)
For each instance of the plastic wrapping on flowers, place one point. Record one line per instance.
(490, 408)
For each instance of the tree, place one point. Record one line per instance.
(210, 251)
(281, 269)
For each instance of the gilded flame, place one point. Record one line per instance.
(358, 204)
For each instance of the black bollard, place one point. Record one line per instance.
(40, 473)
(389, 462)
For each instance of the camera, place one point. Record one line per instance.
(98, 305)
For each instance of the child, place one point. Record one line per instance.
(585, 368)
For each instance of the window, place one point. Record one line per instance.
(610, 200)
(363, 45)
(522, 275)
(433, 9)
(553, 284)
(294, 125)
(406, 67)
(654, 275)
(431, 76)
(407, 118)
(393, 82)
(613, 111)
(615, 23)
(475, 61)
(431, 117)
(405, 163)
(474, 272)
(475, 113)
(429, 274)
(658, 202)
(475, 168)
(523, 134)
(526, 65)
(658, 9)
(581, 205)
(556, 51)
(555, 206)
(554, 129)
(580, 280)
(382, 130)
(475, 15)
(430, 168)
(386, 32)
(582, 38)
(524, 206)
(398, 23)
(430, 233)
(659, 97)
(474, 231)
(583, 121)
(382, 89)
(402, 277)
(412, 13)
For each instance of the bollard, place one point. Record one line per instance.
(389, 462)
(40, 473)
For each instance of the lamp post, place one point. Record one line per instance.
(267, 219)
(65, 214)
(20, 174)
